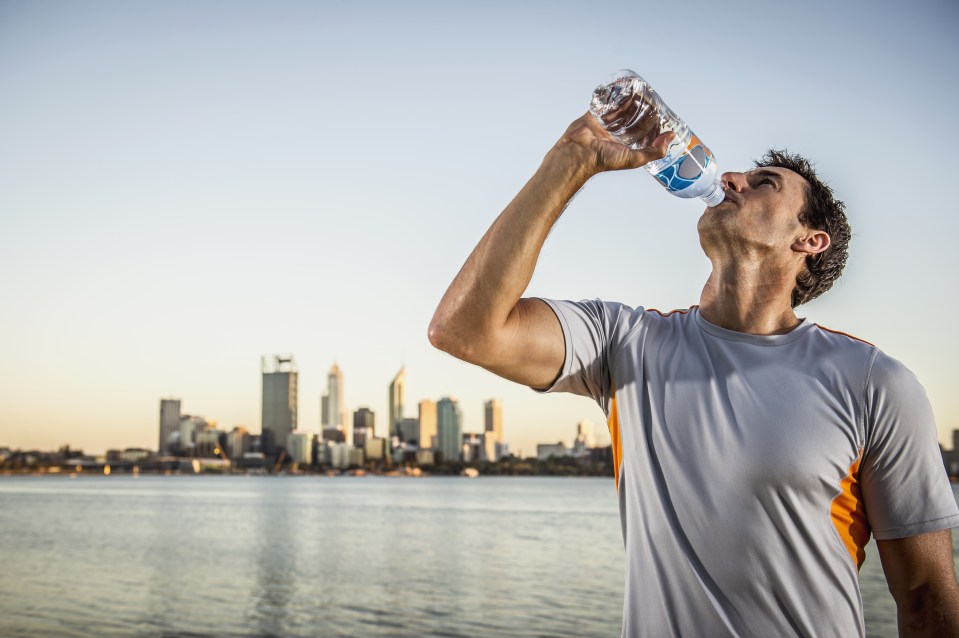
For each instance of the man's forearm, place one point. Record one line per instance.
(489, 285)
(482, 318)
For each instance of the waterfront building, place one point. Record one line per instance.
(279, 402)
(183, 442)
(396, 400)
(341, 456)
(356, 456)
(427, 419)
(449, 425)
(237, 442)
(489, 449)
(472, 447)
(375, 448)
(425, 457)
(363, 426)
(299, 447)
(169, 423)
(323, 451)
(207, 443)
(135, 455)
(546, 450)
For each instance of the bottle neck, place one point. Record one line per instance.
(715, 195)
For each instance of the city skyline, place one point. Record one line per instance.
(185, 187)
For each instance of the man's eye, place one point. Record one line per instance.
(766, 180)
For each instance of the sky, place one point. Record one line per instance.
(188, 186)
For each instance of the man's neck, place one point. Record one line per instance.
(753, 298)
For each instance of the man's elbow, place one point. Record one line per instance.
(450, 341)
(442, 337)
(929, 611)
(438, 335)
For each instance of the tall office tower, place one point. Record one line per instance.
(334, 421)
(169, 423)
(449, 425)
(279, 402)
(427, 414)
(332, 403)
(362, 427)
(494, 418)
(397, 394)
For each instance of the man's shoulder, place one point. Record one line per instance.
(624, 314)
(883, 370)
(839, 338)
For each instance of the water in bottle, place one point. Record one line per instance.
(633, 113)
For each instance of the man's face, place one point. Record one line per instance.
(758, 216)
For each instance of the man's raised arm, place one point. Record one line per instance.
(482, 318)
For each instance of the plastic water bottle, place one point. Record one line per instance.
(633, 113)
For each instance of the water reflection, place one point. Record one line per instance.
(274, 549)
(301, 556)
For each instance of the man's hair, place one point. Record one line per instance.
(821, 211)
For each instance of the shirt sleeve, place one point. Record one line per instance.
(592, 331)
(904, 484)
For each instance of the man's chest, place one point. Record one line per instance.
(756, 416)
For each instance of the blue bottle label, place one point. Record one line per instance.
(688, 169)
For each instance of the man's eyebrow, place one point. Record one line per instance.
(764, 172)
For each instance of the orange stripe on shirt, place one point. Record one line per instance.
(849, 515)
(845, 334)
(614, 435)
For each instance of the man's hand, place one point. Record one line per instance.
(596, 151)
(481, 318)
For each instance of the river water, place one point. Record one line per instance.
(212, 556)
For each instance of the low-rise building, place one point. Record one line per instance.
(544, 451)
(299, 447)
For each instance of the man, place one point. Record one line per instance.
(754, 451)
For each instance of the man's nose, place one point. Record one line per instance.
(734, 181)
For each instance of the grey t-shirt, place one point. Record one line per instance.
(751, 469)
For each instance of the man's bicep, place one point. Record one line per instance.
(911, 561)
(531, 348)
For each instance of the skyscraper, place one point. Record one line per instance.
(279, 402)
(449, 425)
(493, 430)
(397, 396)
(333, 399)
(333, 420)
(169, 423)
(494, 418)
(427, 415)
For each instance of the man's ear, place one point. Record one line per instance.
(812, 242)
